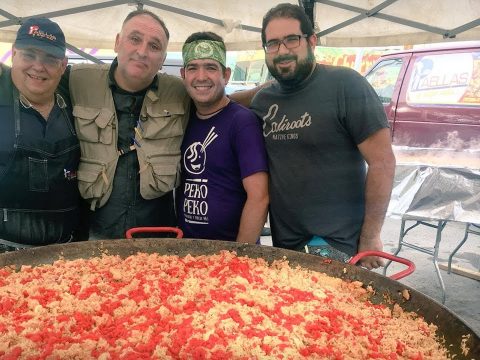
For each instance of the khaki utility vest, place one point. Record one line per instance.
(160, 129)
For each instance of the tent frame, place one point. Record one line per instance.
(308, 5)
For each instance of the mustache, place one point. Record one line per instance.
(287, 57)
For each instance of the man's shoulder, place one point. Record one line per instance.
(171, 79)
(89, 67)
(336, 72)
(84, 75)
(5, 85)
(4, 70)
(171, 85)
(334, 78)
(237, 107)
(265, 95)
(241, 112)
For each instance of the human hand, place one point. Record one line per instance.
(374, 244)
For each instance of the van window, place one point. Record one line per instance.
(384, 77)
(250, 71)
(435, 81)
(240, 71)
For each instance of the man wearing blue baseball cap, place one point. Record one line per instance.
(39, 151)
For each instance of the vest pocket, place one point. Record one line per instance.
(164, 123)
(159, 177)
(93, 124)
(92, 179)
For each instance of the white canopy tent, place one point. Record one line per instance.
(94, 24)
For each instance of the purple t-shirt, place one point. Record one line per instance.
(217, 153)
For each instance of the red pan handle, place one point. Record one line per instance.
(410, 269)
(154, 229)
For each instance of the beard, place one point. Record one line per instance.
(291, 78)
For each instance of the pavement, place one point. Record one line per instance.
(462, 292)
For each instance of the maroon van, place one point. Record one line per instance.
(431, 97)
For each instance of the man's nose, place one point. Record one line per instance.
(38, 62)
(282, 49)
(142, 49)
(202, 73)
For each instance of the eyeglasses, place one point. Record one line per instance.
(47, 60)
(290, 42)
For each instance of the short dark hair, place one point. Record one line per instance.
(148, 13)
(204, 35)
(287, 10)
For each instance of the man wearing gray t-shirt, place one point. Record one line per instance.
(321, 125)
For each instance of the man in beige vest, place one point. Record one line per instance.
(130, 121)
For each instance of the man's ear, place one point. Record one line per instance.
(117, 40)
(182, 72)
(64, 63)
(227, 74)
(312, 40)
(163, 60)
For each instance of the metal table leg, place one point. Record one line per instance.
(438, 238)
(468, 230)
(440, 225)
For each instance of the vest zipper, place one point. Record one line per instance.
(5, 215)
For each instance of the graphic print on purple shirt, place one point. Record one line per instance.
(194, 160)
(217, 153)
(196, 154)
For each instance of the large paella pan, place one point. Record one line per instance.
(456, 333)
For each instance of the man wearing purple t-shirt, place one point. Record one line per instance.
(224, 189)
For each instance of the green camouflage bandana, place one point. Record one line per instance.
(204, 49)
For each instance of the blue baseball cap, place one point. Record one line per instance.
(42, 34)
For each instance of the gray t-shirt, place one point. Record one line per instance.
(317, 183)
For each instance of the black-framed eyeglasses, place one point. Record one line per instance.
(30, 56)
(290, 42)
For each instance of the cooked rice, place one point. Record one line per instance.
(149, 306)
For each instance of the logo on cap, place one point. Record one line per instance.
(35, 31)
